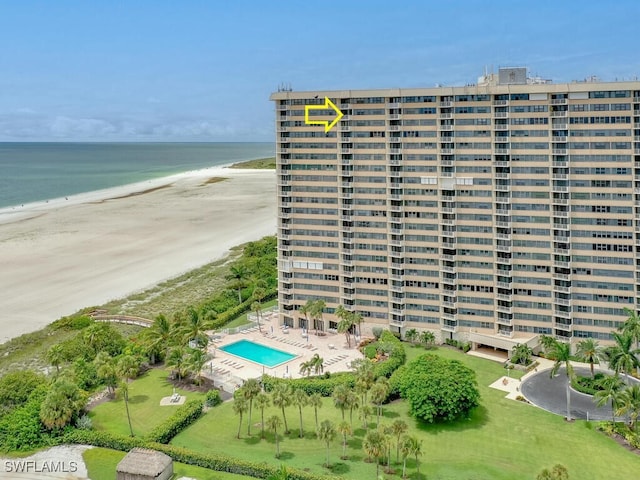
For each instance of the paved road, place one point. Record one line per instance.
(550, 394)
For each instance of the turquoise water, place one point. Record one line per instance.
(31, 172)
(267, 356)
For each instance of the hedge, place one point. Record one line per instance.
(397, 356)
(322, 384)
(184, 416)
(217, 462)
(231, 314)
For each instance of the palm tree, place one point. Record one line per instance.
(629, 404)
(346, 323)
(194, 328)
(63, 402)
(273, 423)
(562, 353)
(177, 360)
(257, 307)
(306, 368)
(379, 393)
(195, 362)
(548, 343)
(374, 445)
(124, 389)
(239, 408)
(262, 402)
(306, 310)
(106, 370)
(411, 335)
(344, 429)
(316, 314)
(55, 356)
(622, 356)
(387, 430)
(315, 401)
(365, 412)
(317, 362)
(281, 398)
(365, 376)
(240, 274)
(415, 449)
(405, 450)
(610, 392)
(250, 390)
(428, 338)
(326, 433)
(521, 353)
(158, 336)
(357, 321)
(340, 397)
(128, 367)
(353, 402)
(631, 326)
(398, 427)
(300, 399)
(589, 351)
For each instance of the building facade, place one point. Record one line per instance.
(492, 212)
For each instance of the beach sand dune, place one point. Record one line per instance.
(67, 254)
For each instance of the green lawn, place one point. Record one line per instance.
(242, 319)
(260, 163)
(144, 405)
(101, 465)
(503, 439)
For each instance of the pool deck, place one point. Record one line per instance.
(229, 371)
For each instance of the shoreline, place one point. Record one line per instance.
(13, 212)
(67, 254)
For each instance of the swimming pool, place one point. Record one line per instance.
(257, 353)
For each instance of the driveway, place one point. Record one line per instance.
(550, 394)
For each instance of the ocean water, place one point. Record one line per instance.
(31, 172)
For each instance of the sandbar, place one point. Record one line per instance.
(59, 256)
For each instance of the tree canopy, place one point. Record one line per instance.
(438, 389)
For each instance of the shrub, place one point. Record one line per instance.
(438, 389)
(181, 419)
(21, 429)
(16, 387)
(77, 322)
(370, 351)
(323, 384)
(377, 332)
(212, 461)
(84, 423)
(588, 385)
(213, 398)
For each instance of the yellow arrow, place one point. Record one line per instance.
(327, 104)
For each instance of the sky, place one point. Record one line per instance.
(156, 70)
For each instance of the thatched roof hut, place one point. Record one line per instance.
(145, 464)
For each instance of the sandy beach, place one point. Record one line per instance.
(59, 256)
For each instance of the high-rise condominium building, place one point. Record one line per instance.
(492, 212)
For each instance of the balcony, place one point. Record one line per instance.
(503, 224)
(284, 215)
(505, 333)
(559, 163)
(561, 251)
(447, 222)
(560, 276)
(500, 163)
(501, 175)
(504, 309)
(394, 105)
(451, 234)
(448, 269)
(501, 126)
(446, 128)
(450, 258)
(449, 328)
(560, 263)
(505, 321)
(561, 201)
(396, 322)
(448, 316)
(560, 139)
(504, 285)
(446, 103)
(446, 115)
(503, 236)
(500, 102)
(562, 326)
(561, 213)
(502, 151)
(502, 296)
(560, 288)
(560, 188)
(502, 211)
(394, 128)
(559, 151)
(503, 248)
(448, 210)
(559, 113)
(562, 301)
(501, 114)
(446, 151)
(394, 116)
